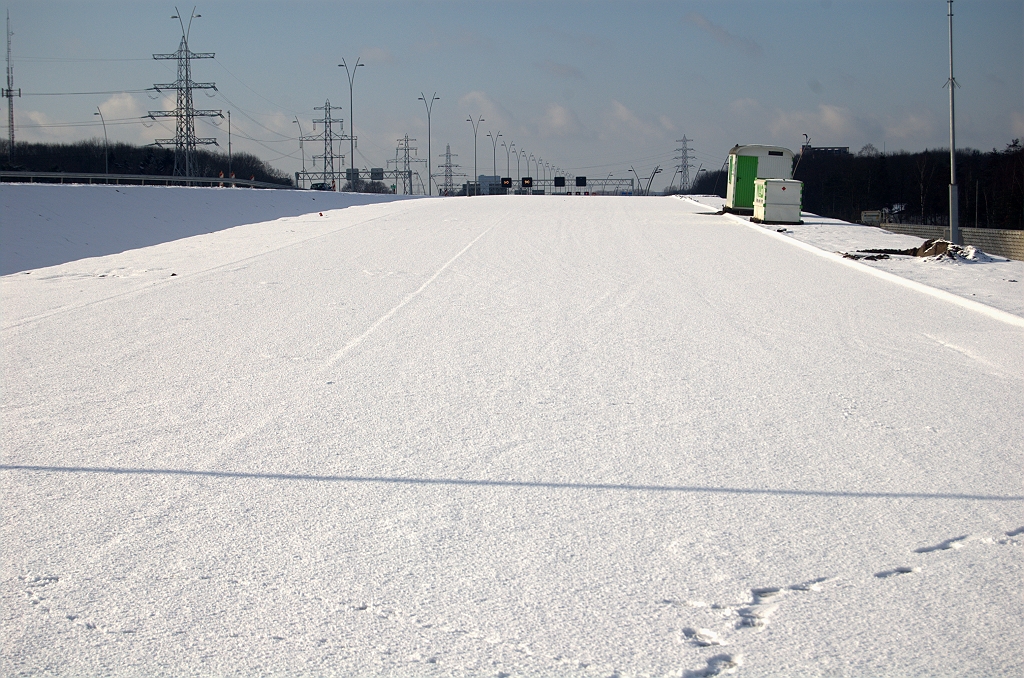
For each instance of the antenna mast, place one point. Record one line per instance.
(10, 93)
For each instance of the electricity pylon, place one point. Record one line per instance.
(185, 113)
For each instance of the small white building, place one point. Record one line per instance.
(750, 162)
(777, 201)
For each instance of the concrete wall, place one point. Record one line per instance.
(1002, 243)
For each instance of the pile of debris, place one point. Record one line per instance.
(935, 249)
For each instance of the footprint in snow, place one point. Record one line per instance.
(954, 543)
(703, 637)
(719, 665)
(896, 571)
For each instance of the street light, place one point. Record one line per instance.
(106, 164)
(302, 148)
(508, 157)
(476, 176)
(494, 155)
(527, 159)
(429, 107)
(351, 122)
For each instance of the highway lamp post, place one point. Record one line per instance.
(954, 196)
(494, 155)
(351, 120)
(302, 148)
(527, 159)
(508, 157)
(476, 176)
(519, 173)
(106, 161)
(429, 107)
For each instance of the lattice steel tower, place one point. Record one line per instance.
(449, 175)
(185, 113)
(10, 93)
(329, 175)
(403, 163)
(684, 158)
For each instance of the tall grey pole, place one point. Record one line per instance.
(429, 106)
(106, 154)
(351, 124)
(229, 144)
(954, 197)
(494, 155)
(302, 149)
(508, 157)
(476, 176)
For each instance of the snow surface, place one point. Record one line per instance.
(515, 435)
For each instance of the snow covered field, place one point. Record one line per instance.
(502, 436)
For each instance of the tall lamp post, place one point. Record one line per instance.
(106, 165)
(429, 106)
(351, 123)
(302, 149)
(476, 176)
(494, 156)
(508, 157)
(954, 197)
(527, 159)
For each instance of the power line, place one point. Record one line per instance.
(69, 94)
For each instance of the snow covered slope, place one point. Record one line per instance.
(509, 435)
(47, 224)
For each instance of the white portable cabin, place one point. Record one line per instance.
(750, 162)
(777, 201)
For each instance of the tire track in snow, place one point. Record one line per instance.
(231, 441)
(408, 298)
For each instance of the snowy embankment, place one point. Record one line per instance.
(511, 435)
(49, 224)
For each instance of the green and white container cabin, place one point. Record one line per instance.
(750, 162)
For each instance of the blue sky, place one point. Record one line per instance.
(592, 87)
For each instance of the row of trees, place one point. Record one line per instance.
(910, 187)
(88, 157)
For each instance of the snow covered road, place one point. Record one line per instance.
(510, 435)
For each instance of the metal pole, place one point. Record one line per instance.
(954, 206)
(476, 176)
(433, 98)
(508, 157)
(494, 156)
(106, 165)
(302, 149)
(229, 144)
(351, 115)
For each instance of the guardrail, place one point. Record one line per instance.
(140, 179)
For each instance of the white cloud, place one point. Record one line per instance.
(748, 46)
(1017, 124)
(667, 123)
(376, 55)
(559, 121)
(560, 70)
(480, 103)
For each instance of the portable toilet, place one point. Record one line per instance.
(750, 162)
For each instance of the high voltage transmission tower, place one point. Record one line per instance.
(328, 175)
(185, 113)
(449, 174)
(684, 166)
(403, 163)
(10, 93)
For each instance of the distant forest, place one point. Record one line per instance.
(910, 187)
(87, 157)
